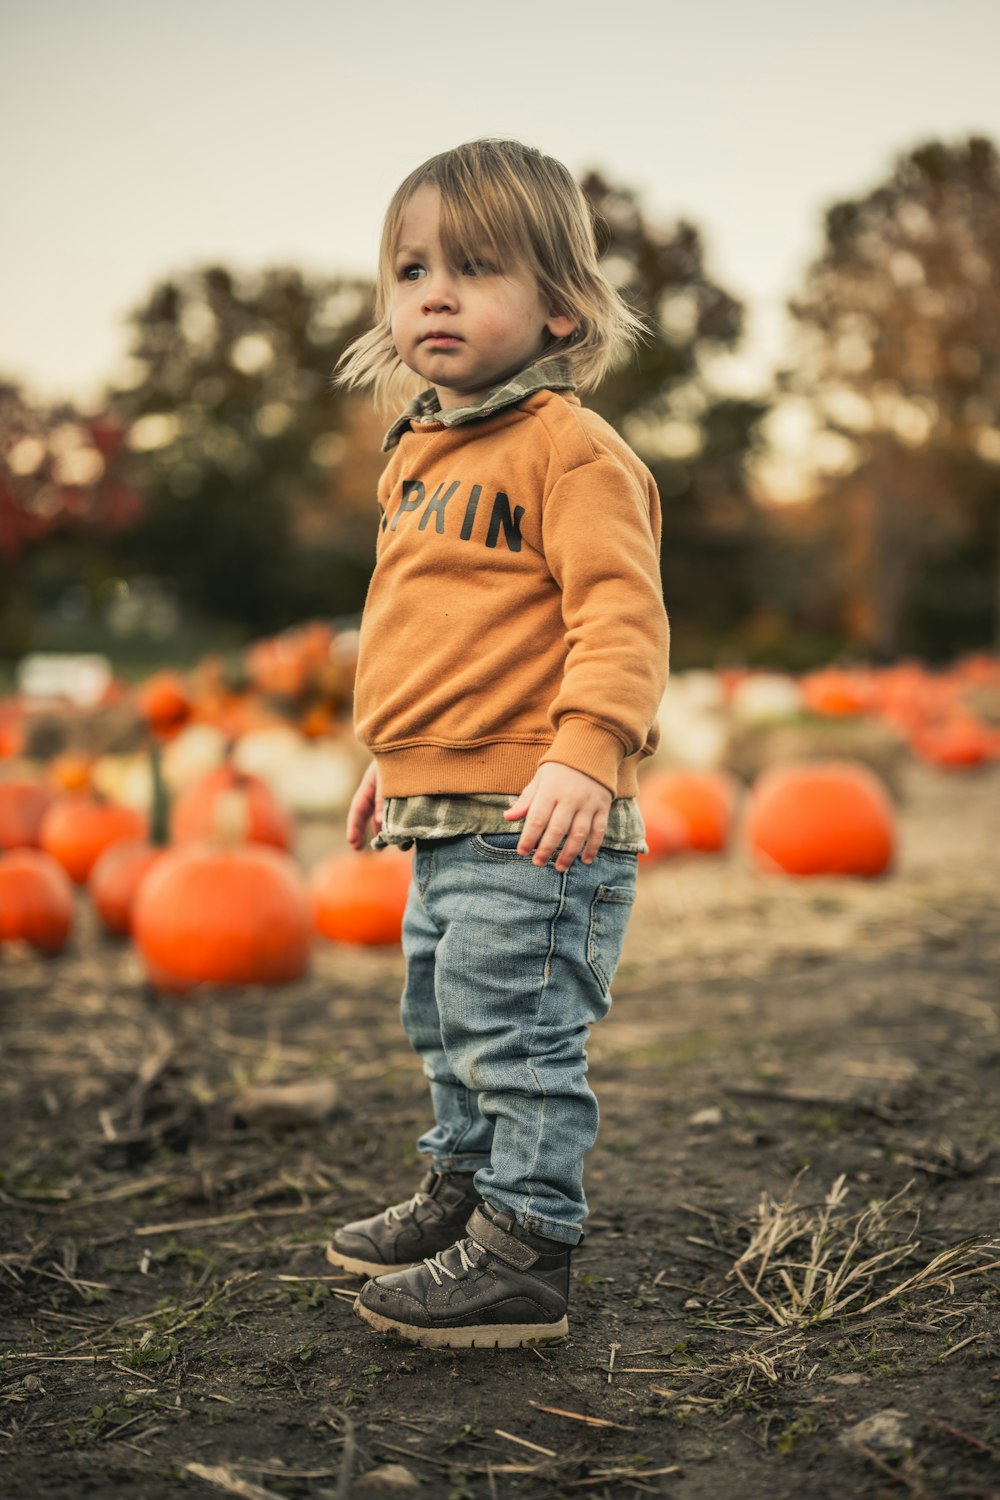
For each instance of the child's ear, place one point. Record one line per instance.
(561, 325)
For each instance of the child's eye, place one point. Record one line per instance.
(477, 268)
(412, 272)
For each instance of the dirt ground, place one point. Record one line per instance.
(174, 1329)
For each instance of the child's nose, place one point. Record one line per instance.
(440, 293)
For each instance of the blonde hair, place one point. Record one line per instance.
(531, 211)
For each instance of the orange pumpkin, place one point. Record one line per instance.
(77, 828)
(195, 813)
(836, 692)
(11, 728)
(899, 694)
(163, 702)
(22, 806)
(318, 721)
(666, 831)
(115, 879)
(36, 900)
(286, 664)
(360, 898)
(222, 916)
(702, 800)
(828, 818)
(979, 670)
(71, 772)
(955, 742)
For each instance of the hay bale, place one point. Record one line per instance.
(752, 748)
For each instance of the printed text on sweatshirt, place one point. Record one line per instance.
(515, 614)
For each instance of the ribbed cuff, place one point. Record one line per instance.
(443, 770)
(590, 749)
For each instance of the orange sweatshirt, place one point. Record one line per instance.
(515, 614)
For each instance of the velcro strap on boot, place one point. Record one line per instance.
(505, 1246)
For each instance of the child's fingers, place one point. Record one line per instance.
(519, 809)
(598, 828)
(585, 835)
(362, 806)
(352, 819)
(572, 844)
(356, 820)
(560, 807)
(535, 823)
(556, 828)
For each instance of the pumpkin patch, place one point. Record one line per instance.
(257, 745)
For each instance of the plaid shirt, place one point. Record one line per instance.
(548, 375)
(438, 817)
(407, 818)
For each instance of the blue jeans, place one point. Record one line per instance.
(508, 964)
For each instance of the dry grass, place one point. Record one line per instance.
(809, 1262)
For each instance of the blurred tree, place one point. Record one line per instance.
(239, 443)
(696, 440)
(258, 476)
(62, 491)
(899, 334)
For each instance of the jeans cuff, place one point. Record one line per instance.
(566, 1234)
(459, 1164)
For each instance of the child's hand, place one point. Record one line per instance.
(366, 803)
(561, 806)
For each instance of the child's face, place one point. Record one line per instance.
(463, 331)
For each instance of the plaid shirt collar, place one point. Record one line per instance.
(548, 375)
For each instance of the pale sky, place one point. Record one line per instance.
(143, 140)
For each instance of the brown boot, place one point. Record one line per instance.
(402, 1235)
(497, 1287)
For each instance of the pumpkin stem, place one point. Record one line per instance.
(159, 816)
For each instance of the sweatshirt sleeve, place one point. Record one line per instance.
(601, 532)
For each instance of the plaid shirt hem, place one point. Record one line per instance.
(407, 818)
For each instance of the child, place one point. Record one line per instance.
(513, 654)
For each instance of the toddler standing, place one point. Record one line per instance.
(512, 657)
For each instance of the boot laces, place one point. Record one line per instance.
(399, 1211)
(437, 1267)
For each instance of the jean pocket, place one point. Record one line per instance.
(609, 914)
(498, 845)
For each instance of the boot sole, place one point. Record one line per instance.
(367, 1268)
(483, 1336)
